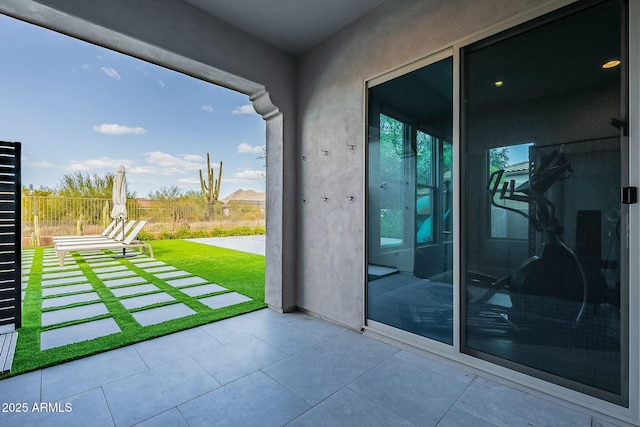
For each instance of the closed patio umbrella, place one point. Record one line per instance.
(119, 197)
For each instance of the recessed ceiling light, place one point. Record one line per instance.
(611, 64)
(498, 83)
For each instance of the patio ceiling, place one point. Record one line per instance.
(291, 25)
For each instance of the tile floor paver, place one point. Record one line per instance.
(164, 381)
(145, 300)
(116, 275)
(134, 290)
(172, 347)
(171, 274)
(69, 289)
(63, 281)
(407, 384)
(233, 361)
(56, 275)
(108, 269)
(224, 300)
(196, 291)
(186, 281)
(172, 418)
(90, 372)
(157, 315)
(244, 402)
(347, 408)
(69, 299)
(141, 396)
(57, 268)
(78, 333)
(126, 281)
(75, 313)
(160, 269)
(144, 263)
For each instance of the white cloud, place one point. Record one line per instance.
(193, 158)
(166, 164)
(111, 72)
(244, 109)
(208, 108)
(161, 83)
(243, 147)
(245, 175)
(86, 66)
(190, 181)
(39, 165)
(116, 129)
(92, 165)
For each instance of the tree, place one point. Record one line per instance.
(498, 158)
(85, 185)
(166, 194)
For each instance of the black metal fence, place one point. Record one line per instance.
(44, 216)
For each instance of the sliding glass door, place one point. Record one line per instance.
(544, 155)
(410, 237)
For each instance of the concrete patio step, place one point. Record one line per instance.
(7, 350)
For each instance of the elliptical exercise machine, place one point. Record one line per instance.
(554, 286)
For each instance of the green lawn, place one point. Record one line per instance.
(236, 271)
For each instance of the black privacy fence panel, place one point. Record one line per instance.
(10, 249)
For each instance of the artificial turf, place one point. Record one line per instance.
(234, 270)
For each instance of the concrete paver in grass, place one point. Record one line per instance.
(160, 269)
(63, 281)
(171, 274)
(134, 290)
(142, 258)
(98, 259)
(57, 275)
(78, 333)
(196, 291)
(70, 289)
(146, 300)
(76, 313)
(56, 262)
(69, 299)
(157, 315)
(108, 269)
(58, 268)
(224, 300)
(193, 280)
(122, 282)
(116, 274)
(150, 263)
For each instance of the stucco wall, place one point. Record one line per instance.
(330, 117)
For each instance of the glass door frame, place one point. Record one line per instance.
(632, 226)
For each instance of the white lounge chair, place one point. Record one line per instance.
(128, 243)
(115, 234)
(104, 233)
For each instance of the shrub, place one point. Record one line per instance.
(166, 235)
(183, 233)
(145, 236)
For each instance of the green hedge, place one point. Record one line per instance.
(185, 233)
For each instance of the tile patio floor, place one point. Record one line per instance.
(271, 369)
(260, 369)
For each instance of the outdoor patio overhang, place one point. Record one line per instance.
(311, 89)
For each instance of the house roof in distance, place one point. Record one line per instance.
(244, 195)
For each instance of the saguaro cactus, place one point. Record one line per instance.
(211, 188)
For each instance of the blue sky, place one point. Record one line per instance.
(75, 106)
